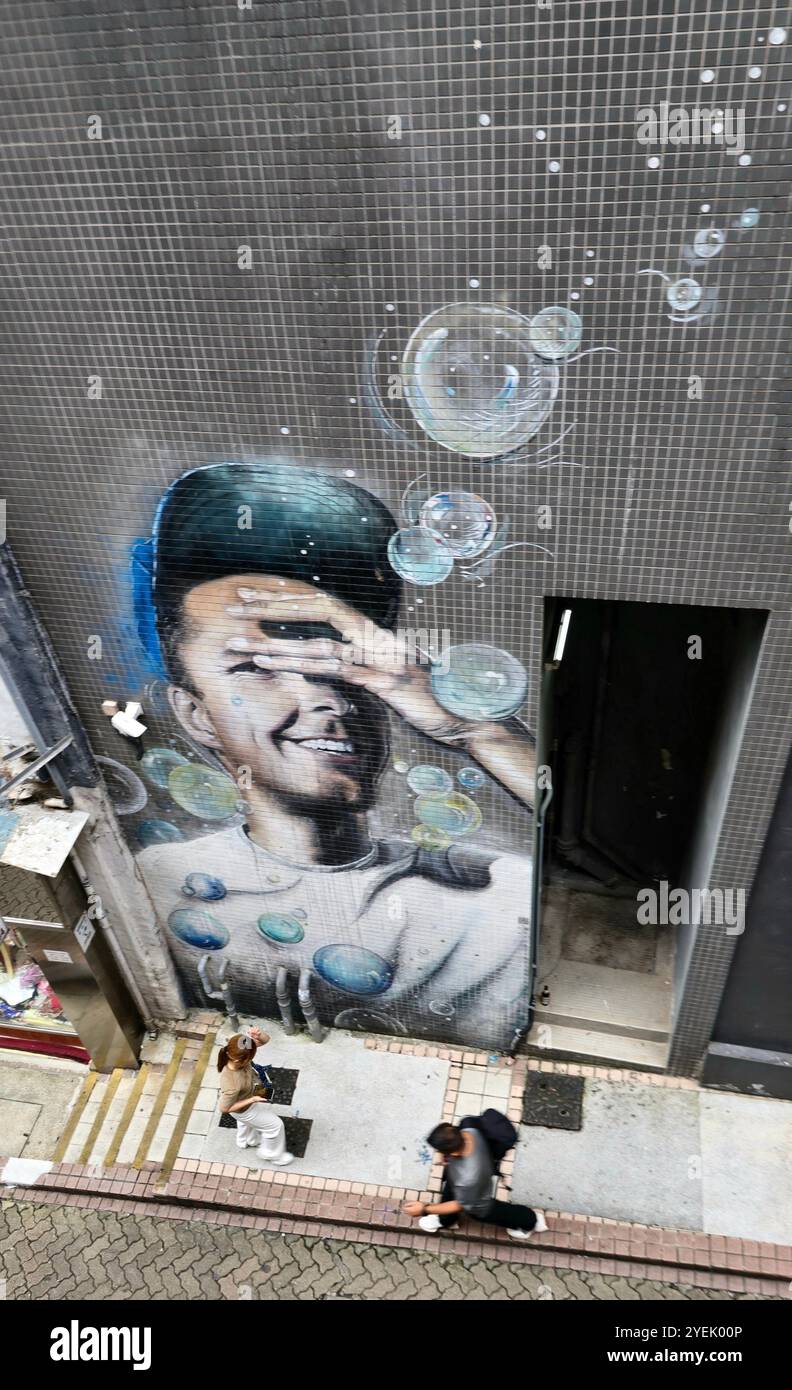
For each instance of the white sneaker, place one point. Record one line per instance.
(541, 1225)
(430, 1223)
(278, 1162)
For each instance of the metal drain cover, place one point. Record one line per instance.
(298, 1132)
(556, 1102)
(284, 1079)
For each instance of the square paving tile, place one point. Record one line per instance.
(468, 1105)
(472, 1080)
(497, 1086)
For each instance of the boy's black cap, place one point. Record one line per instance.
(302, 523)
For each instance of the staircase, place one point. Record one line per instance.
(153, 1115)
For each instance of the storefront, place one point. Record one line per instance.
(61, 990)
(32, 1018)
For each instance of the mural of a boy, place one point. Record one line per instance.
(267, 579)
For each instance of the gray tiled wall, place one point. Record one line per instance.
(270, 128)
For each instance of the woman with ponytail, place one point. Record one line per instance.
(242, 1095)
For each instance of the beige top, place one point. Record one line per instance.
(236, 1085)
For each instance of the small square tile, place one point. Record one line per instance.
(472, 1080)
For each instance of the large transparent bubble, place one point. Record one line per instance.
(454, 814)
(684, 294)
(420, 556)
(471, 778)
(353, 968)
(281, 928)
(474, 382)
(466, 522)
(198, 929)
(158, 764)
(708, 242)
(158, 832)
(124, 787)
(426, 778)
(203, 792)
(204, 886)
(480, 683)
(368, 1021)
(556, 332)
(427, 838)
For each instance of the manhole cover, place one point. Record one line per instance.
(297, 1132)
(284, 1081)
(553, 1101)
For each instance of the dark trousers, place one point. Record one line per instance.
(511, 1214)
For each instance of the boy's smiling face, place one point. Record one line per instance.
(274, 723)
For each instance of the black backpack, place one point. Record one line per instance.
(498, 1131)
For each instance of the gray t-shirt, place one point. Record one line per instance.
(471, 1177)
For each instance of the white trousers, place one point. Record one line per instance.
(260, 1125)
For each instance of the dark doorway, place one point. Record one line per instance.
(642, 711)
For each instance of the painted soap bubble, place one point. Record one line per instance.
(709, 241)
(284, 929)
(749, 218)
(556, 332)
(205, 887)
(198, 929)
(368, 1021)
(159, 763)
(425, 778)
(480, 683)
(442, 1007)
(474, 382)
(124, 787)
(684, 294)
(471, 778)
(420, 556)
(158, 832)
(454, 814)
(203, 792)
(466, 522)
(427, 838)
(353, 968)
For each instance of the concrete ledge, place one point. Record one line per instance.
(748, 1070)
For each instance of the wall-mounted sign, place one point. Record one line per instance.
(85, 931)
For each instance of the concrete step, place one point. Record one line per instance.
(600, 999)
(583, 1045)
(142, 1116)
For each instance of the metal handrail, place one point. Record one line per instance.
(33, 768)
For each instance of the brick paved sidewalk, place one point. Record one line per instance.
(61, 1251)
(289, 1203)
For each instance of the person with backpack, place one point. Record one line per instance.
(472, 1152)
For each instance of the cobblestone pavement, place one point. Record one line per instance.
(64, 1252)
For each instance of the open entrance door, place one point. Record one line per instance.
(643, 708)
